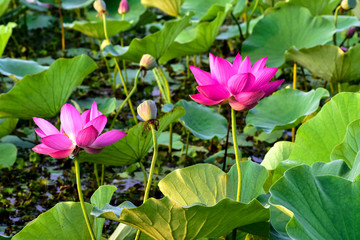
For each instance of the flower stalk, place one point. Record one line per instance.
(236, 150)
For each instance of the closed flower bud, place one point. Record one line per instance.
(147, 110)
(350, 33)
(104, 44)
(100, 6)
(147, 62)
(123, 7)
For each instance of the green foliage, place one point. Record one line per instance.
(278, 153)
(17, 68)
(171, 7)
(8, 153)
(318, 7)
(7, 125)
(43, 94)
(285, 109)
(3, 6)
(5, 33)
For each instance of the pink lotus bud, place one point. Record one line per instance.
(147, 110)
(100, 6)
(123, 7)
(147, 62)
(350, 33)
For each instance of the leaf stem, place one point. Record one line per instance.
(294, 87)
(78, 184)
(335, 22)
(105, 28)
(96, 175)
(236, 150)
(249, 18)
(62, 30)
(226, 143)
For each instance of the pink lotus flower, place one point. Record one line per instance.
(76, 131)
(238, 84)
(123, 7)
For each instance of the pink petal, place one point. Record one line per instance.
(271, 87)
(94, 113)
(57, 141)
(43, 149)
(202, 77)
(222, 70)
(98, 123)
(214, 92)
(240, 107)
(240, 82)
(249, 98)
(46, 127)
(93, 150)
(259, 65)
(40, 132)
(212, 64)
(108, 138)
(85, 117)
(263, 77)
(199, 98)
(237, 62)
(70, 121)
(245, 66)
(61, 154)
(86, 136)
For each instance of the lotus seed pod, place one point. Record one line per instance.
(100, 6)
(147, 110)
(345, 5)
(147, 62)
(104, 44)
(123, 7)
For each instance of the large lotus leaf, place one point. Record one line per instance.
(316, 138)
(8, 154)
(155, 44)
(278, 153)
(7, 125)
(100, 197)
(350, 146)
(344, 22)
(202, 7)
(285, 109)
(18, 68)
(69, 4)
(324, 207)
(328, 62)
(64, 221)
(283, 28)
(5, 33)
(202, 121)
(43, 94)
(3, 6)
(356, 10)
(171, 7)
(166, 219)
(197, 38)
(123, 232)
(317, 7)
(208, 184)
(96, 29)
(134, 146)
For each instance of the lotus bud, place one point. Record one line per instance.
(104, 44)
(147, 110)
(345, 5)
(100, 6)
(147, 62)
(350, 33)
(123, 7)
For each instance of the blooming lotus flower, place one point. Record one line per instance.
(77, 130)
(123, 7)
(238, 84)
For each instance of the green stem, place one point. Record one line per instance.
(238, 25)
(144, 172)
(167, 87)
(335, 22)
(250, 16)
(62, 30)
(96, 175)
(78, 184)
(152, 167)
(105, 28)
(236, 150)
(102, 174)
(133, 90)
(187, 66)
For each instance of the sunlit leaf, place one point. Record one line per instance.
(171, 7)
(5, 33)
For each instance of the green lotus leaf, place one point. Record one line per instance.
(96, 29)
(199, 37)
(171, 7)
(134, 146)
(17, 68)
(3, 6)
(8, 154)
(316, 139)
(201, 8)
(320, 204)
(69, 4)
(344, 22)
(285, 109)
(123, 232)
(167, 219)
(328, 62)
(278, 153)
(43, 94)
(284, 28)
(155, 44)
(318, 7)
(5, 33)
(64, 221)
(7, 125)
